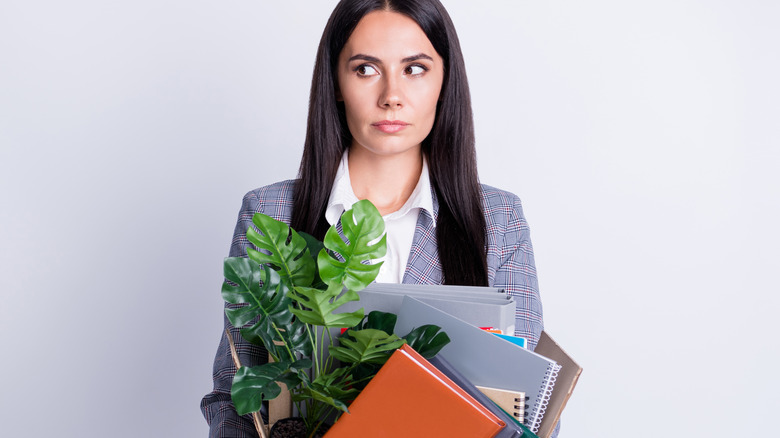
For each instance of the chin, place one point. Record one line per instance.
(388, 149)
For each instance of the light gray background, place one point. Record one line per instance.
(641, 136)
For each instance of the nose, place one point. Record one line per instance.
(392, 94)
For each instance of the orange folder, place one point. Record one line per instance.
(409, 397)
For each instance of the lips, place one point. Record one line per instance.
(390, 126)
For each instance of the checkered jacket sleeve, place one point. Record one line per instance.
(510, 259)
(275, 201)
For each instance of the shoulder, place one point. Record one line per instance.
(275, 200)
(502, 209)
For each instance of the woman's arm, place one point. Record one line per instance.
(511, 253)
(217, 406)
(511, 260)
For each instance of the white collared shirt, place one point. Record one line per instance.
(399, 225)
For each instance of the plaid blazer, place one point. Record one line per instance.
(510, 263)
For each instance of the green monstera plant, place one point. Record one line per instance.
(286, 298)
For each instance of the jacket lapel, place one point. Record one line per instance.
(423, 266)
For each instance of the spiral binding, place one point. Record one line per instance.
(540, 405)
(519, 404)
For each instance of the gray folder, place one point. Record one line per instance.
(485, 359)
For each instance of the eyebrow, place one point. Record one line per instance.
(370, 58)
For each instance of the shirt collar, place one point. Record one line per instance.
(342, 197)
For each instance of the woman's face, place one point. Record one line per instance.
(389, 77)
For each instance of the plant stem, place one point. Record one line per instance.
(329, 361)
(319, 423)
(316, 360)
(326, 365)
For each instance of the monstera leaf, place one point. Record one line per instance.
(366, 346)
(261, 297)
(316, 306)
(334, 389)
(379, 320)
(315, 246)
(363, 227)
(287, 250)
(427, 340)
(253, 385)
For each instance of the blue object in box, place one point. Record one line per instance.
(517, 340)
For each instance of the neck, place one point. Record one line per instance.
(387, 181)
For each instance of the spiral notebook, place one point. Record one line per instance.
(513, 402)
(487, 360)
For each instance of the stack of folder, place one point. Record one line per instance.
(479, 384)
(410, 397)
(481, 306)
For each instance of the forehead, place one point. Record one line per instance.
(387, 35)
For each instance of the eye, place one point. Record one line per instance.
(366, 70)
(415, 70)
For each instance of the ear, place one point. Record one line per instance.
(337, 90)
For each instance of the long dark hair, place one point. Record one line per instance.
(449, 148)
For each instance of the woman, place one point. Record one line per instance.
(390, 121)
